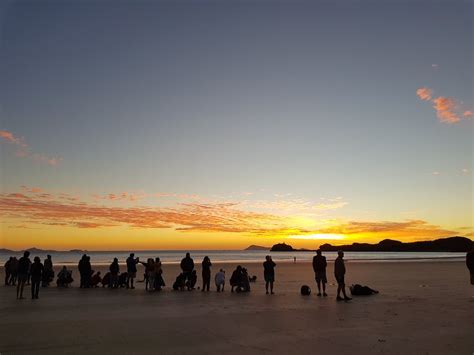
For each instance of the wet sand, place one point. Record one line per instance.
(423, 308)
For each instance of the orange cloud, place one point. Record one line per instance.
(24, 149)
(445, 107)
(424, 93)
(32, 209)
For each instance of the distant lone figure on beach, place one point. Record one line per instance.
(219, 279)
(206, 273)
(319, 267)
(131, 270)
(470, 264)
(23, 269)
(37, 270)
(48, 272)
(269, 273)
(339, 273)
(187, 266)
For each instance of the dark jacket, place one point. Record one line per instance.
(36, 271)
(319, 263)
(24, 265)
(187, 264)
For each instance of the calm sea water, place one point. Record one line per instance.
(236, 256)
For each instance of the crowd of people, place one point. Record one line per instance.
(21, 272)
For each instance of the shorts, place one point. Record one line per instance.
(340, 279)
(321, 276)
(269, 277)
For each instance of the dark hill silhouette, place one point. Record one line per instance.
(452, 244)
(282, 247)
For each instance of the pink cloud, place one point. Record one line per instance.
(468, 113)
(444, 107)
(424, 93)
(24, 149)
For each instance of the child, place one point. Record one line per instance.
(220, 280)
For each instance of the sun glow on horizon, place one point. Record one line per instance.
(319, 236)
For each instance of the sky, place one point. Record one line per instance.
(220, 124)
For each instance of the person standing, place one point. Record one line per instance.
(339, 273)
(470, 264)
(187, 266)
(319, 267)
(82, 266)
(114, 274)
(131, 270)
(269, 273)
(8, 271)
(48, 273)
(37, 270)
(206, 273)
(23, 269)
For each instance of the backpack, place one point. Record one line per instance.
(305, 290)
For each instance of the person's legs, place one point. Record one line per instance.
(271, 287)
(324, 288)
(131, 282)
(266, 286)
(318, 282)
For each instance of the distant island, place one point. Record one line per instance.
(256, 247)
(286, 247)
(452, 244)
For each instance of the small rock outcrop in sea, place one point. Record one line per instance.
(282, 247)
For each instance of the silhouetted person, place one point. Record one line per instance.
(48, 273)
(206, 273)
(64, 277)
(470, 264)
(14, 271)
(8, 271)
(96, 279)
(82, 270)
(192, 280)
(187, 266)
(219, 279)
(269, 273)
(319, 267)
(159, 282)
(236, 278)
(244, 282)
(179, 283)
(23, 270)
(114, 274)
(88, 272)
(131, 269)
(339, 273)
(36, 272)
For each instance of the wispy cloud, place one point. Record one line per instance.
(447, 108)
(424, 93)
(34, 208)
(23, 149)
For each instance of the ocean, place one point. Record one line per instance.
(235, 256)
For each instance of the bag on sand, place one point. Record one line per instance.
(359, 290)
(305, 290)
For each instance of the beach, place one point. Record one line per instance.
(424, 307)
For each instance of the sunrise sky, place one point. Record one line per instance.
(220, 124)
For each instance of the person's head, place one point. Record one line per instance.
(84, 256)
(37, 259)
(48, 256)
(157, 260)
(11, 258)
(318, 252)
(64, 268)
(115, 260)
(98, 273)
(222, 270)
(26, 254)
(268, 258)
(340, 253)
(188, 255)
(206, 258)
(132, 255)
(239, 268)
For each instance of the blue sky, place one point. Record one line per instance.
(313, 99)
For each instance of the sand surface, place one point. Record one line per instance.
(422, 308)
